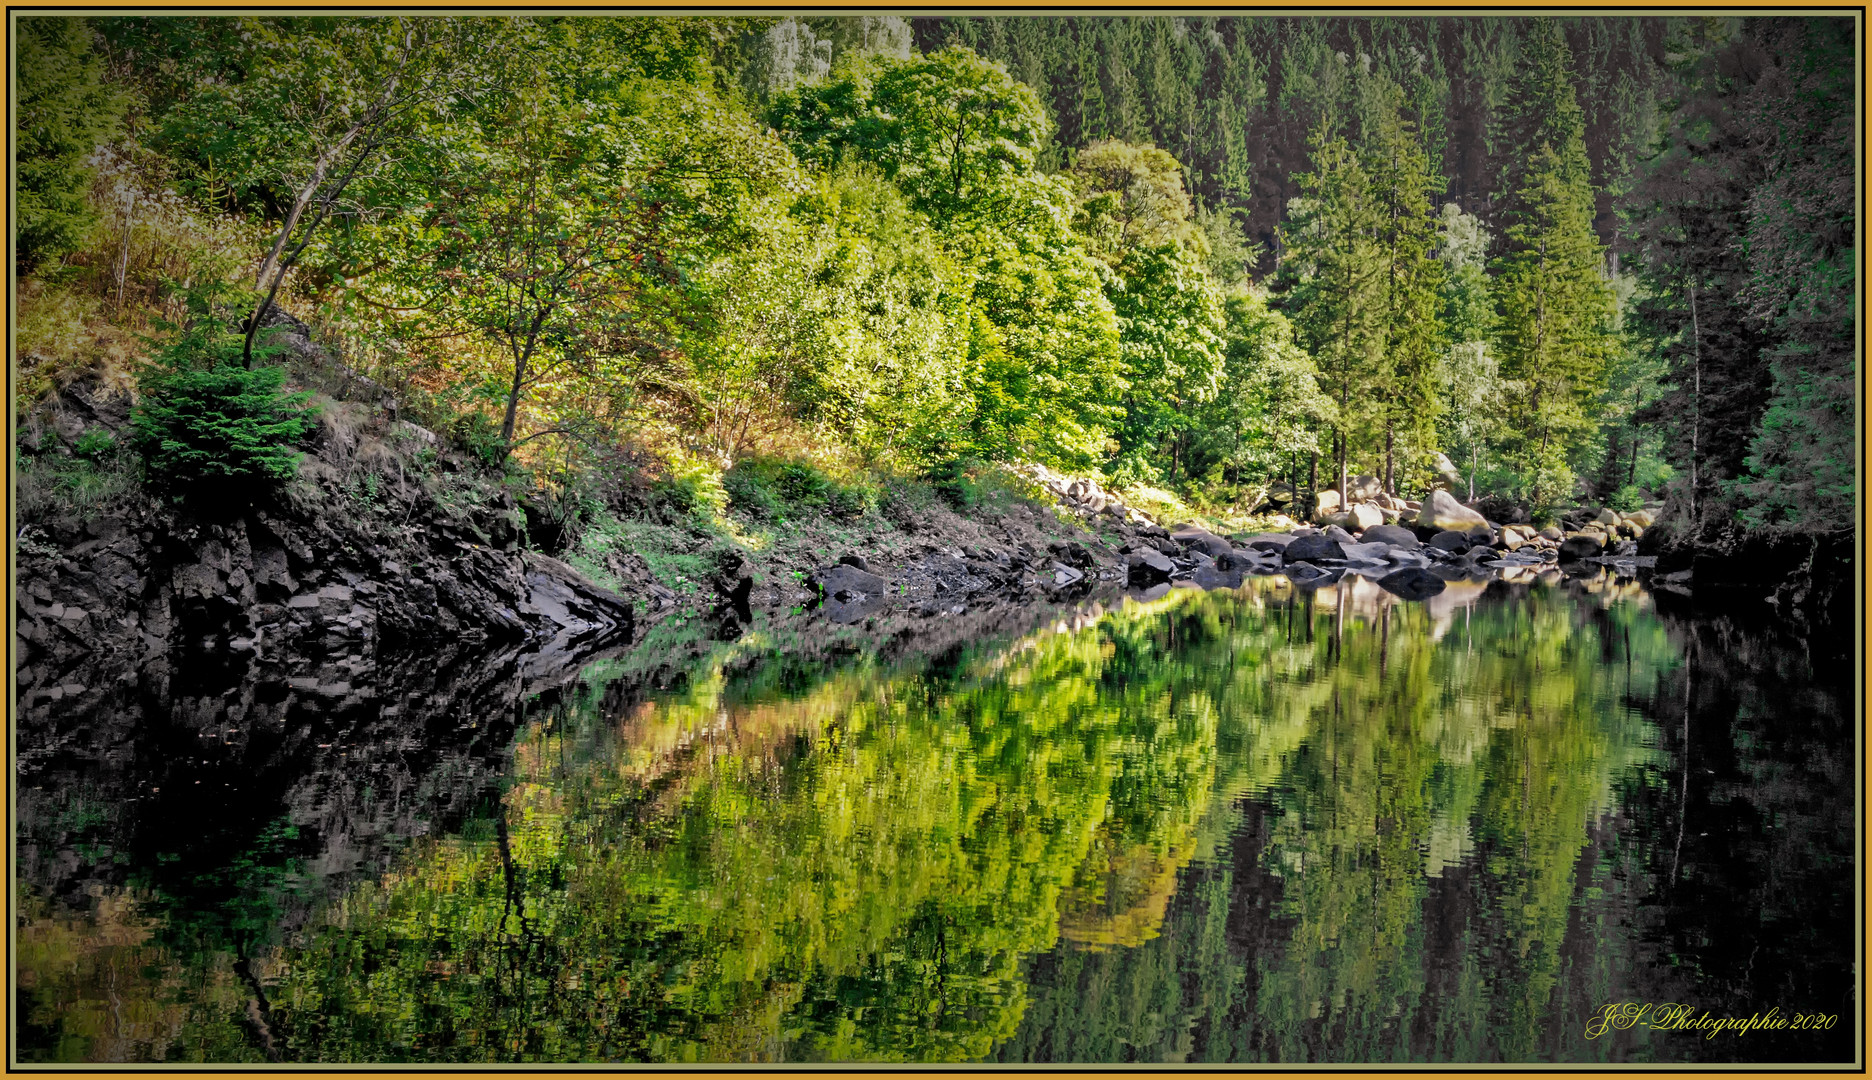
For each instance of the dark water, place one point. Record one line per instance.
(1267, 825)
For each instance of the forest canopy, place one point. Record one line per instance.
(1544, 261)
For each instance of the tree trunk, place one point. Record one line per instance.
(1696, 405)
(513, 400)
(1390, 463)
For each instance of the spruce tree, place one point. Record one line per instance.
(1404, 186)
(1334, 273)
(1557, 310)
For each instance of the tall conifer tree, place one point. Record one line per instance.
(1557, 309)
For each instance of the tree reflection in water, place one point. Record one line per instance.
(1263, 825)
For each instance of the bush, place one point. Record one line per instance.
(774, 490)
(692, 490)
(1626, 499)
(206, 422)
(958, 481)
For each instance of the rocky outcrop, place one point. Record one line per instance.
(370, 547)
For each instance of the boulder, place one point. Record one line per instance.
(1214, 577)
(1243, 560)
(1334, 532)
(1452, 541)
(1146, 567)
(1309, 548)
(1608, 517)
(1644, 519)
(1364, 516)
(1268, 542)
(1446, 469)
(1325, 503)
(1552, 533)
(1512, 538)
(1370, 553)
(1411, 583)
(1065, 575)
(1363, 489)
(1194, 539)
(846, 583)
(1395, 535)
(1580, 546)
(1442, 511)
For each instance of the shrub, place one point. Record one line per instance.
(1626, 499)
(691, 490)
(773, 490)
(207, 422)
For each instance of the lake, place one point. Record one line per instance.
(1270, 824)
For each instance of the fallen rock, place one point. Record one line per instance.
(1369, 553)
(1334, 532)
(1203, 540)
(1363, 489)
(1452, 540)
(1273, 542)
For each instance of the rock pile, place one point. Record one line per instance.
(1082, 496)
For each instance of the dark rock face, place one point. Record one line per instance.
(145, 579)
(1452, 541)
(369, 548)
(1147, 567)
(1395, 535)
(1412, 583)
(1311, 548)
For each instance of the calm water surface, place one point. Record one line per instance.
(1265, 825)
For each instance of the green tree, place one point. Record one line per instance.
(1556, 330)
(1405, 187)
(960, 138)
(316, 103)
(1334, 270)
(1269, 408)
(562, 222)
(1802, 280)
(65, 113)
(1134, 211)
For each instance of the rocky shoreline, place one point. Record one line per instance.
(388, 541)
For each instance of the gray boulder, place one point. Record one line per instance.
(1146, 567)
(1367, 553)
(1310, 548)
(1395, 535)
(1452, 540)
(1574, 548)
(846, 583)
(1442, 511)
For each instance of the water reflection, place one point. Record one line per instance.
(1273, 824)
